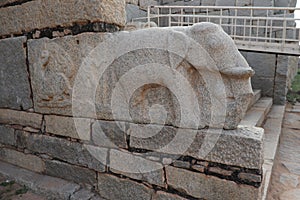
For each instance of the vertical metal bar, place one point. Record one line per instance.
(284, 31)
(221, 16)
(158, 18)
(181, 18)
(194, 12)
(235, 23)
(250, 24)
(266, 28)
(170, 18)
(244, 34)
(148, 15)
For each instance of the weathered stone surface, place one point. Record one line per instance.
(207, 187)
(26, 161)
(21, 118)
(7, 135)
(5, 2)
(289, 179)
(250, 177)
(70, 172)
(220, 171)
(217, 68)
(225, 2)
(44, 14)
(83, 194)
(134, 11)
(49, 187)
(263, 64)
(136, 167)
(208, 2)
(292, 121)
(242, 147)
(109, 134)
(181, 164)
(71, 152)
(290, 195)
(65, 126)
(266, 85)
(14, 86)
(159, 195)
(243, 2)
(52, 82)
(112, 187)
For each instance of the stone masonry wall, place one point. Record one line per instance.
(42, 45)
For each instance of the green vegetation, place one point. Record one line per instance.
(294, 94)
(7, 183)
(23, 190)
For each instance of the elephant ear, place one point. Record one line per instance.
(238, 72)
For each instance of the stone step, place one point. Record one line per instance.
(256, 115)
(272, 129)
(47, 186)
(255, 98)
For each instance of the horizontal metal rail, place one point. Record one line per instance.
(265, 29)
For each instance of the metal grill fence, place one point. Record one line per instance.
(265, 29)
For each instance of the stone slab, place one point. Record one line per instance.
(69, 172)
(256, 115)
(136, 167)
(242, 147)
(71, 152)
(22, 118)
(159, 195)
(20, 159)
(112, 187)
(207, 187)
(49, 187)
(7, 135)
(14, 86)
(65, 126)
(44, 14)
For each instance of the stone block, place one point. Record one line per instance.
(52, 82)
(241, 147)
(145, 3)
(208, 2)
(266, 85)
(7, 135)
(225, 2)
(71, 152)
(134, 11)
(111, 187)
(262, 3)
(160, 195)
(84, 194)
(70, 172)
(250, 177)
(243, 2)
(136, 167)
(262, 63)
(15, 87)
(21, 118)
(20, 159)
(223, 172)
(52, 13)
(65, 126)
(208, 187)
(109, 134)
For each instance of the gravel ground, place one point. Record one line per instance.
(9, 190)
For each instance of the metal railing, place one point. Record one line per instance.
(265, 29)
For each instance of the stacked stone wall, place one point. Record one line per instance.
(40, 57)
